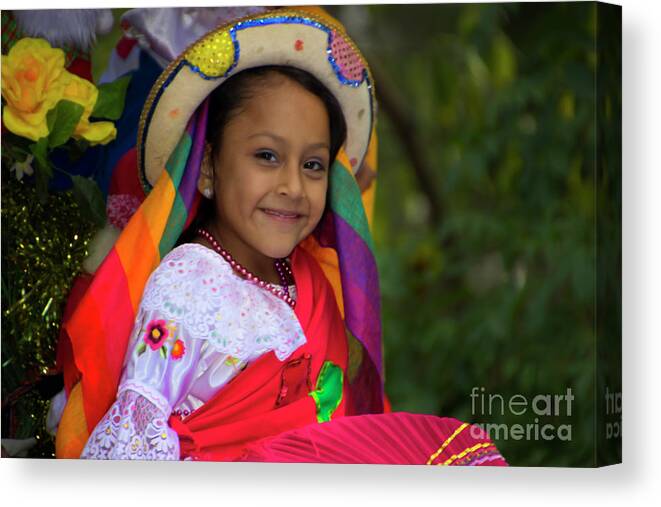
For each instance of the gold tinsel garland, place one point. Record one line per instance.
(43, 247)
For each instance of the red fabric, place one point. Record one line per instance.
(124, 46)
(387, 408)
(81, 67)
(254, 404)
(125, 178)
(64, 355)
(101, 361)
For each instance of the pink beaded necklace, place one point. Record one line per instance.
(281, 267)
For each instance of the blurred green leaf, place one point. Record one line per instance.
(110, 102)
(62, 121)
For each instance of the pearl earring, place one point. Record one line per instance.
(208, 192)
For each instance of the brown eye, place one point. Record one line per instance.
(314, 165)
(266, 155)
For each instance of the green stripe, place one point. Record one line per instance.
(346, 201)
(177, 162)
(175, 225)
(178, 213)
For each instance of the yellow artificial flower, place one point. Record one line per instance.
(83, 92)
(33, 81)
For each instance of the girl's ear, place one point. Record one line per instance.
(205, 181)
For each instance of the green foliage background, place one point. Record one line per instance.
(488, 267)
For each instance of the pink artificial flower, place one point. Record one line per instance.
(156, 334)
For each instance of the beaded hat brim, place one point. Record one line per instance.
(301, 37)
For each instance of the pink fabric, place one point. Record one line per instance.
(398, 438)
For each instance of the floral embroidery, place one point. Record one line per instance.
(178, 350)
(156, 334)
(231, 361)
(134, 428)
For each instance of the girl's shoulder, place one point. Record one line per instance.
(192, 260)
(190, 278)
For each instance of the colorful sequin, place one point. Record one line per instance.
(345, 59)
(214, 55)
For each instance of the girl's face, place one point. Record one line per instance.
(271, 173)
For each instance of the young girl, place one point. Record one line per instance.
(241, 300)
(206, 313)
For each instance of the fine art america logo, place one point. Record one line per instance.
(487, 405)
(613, 414)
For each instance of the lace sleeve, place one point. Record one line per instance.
(133, 428)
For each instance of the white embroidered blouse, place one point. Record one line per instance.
(198, 325)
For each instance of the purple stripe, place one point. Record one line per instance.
(360, 289)
(197, 131)
(491, 457)
(367, 389)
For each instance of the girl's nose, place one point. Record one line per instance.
(290, 181)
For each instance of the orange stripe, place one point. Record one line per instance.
(368, 194)
(158, 205)
(72, 432)
(343, 159)
(327, 259)
(137, 247)
(138, 256)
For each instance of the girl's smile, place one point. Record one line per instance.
(283, 215)
(271, 174)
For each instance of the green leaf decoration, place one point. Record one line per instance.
(328, 393)
(90, 199)
(62, 121)
(50, 119)
(110, 102)
(164, 352)
(141, 348)
(43, 169)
